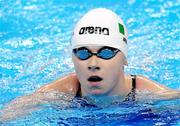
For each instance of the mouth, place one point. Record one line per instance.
(94, 79)
(95, 84)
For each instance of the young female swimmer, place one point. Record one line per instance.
(99, 51)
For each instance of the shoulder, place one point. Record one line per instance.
(163, 92)
(144, 83)
(67, 84)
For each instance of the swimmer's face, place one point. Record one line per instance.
(98, 76)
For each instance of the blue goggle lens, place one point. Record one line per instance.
(82, 54)
(106, 54)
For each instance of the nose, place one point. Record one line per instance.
(93, 64)
(93, 68)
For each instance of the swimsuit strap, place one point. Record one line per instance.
(133, 82)
(79, 91)
(133, 87)
(132, 95)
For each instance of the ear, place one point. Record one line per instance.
(125, 61)
(72, 57)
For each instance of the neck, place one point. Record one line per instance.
(121, 88)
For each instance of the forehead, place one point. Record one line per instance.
(94, 48)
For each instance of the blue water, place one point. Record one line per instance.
(34, 50)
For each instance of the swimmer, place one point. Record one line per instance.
(99, 53)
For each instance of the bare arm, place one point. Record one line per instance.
(48, 93)
(162, 91)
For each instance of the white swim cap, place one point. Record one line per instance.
(100, 27)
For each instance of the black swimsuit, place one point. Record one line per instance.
(130, 97)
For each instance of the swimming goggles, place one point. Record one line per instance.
(104, 53)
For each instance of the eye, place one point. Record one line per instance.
(106, 53)
(82, 54)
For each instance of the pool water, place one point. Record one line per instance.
(35, 45)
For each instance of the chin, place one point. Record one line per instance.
(96, 92)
